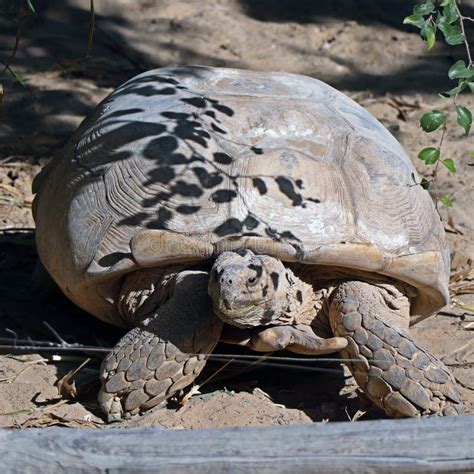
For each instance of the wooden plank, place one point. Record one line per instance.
(426, 445)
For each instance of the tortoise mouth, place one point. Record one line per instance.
(244, 316)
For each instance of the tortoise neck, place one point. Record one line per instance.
(301, 305)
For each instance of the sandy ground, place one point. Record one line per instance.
(358, 47)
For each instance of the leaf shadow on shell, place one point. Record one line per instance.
(179, 165)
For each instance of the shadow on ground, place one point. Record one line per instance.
(133, 38)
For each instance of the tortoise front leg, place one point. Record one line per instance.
(299, 339)
(394, 371)
(164, 353)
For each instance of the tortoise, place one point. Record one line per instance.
(198, 204)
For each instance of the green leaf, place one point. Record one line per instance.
(441, 22)
(449, 163)
(445, 3)
(446, 200)
(424, 8)
(450, 12)
(428, 32)
(429, 155)
(471, 86)
(415, 20)
(452, 33)
(425, 184)
(464, 117)
(459, 71)
(18, 78)
(455, 37)
(454, 91)
(431, 121)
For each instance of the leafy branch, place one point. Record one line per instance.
(444, 17)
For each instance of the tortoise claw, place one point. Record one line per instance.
(299, 339)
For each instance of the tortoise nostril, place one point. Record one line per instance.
(229, 281)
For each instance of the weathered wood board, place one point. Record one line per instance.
(426, 445)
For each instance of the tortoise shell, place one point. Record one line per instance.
(182, 163)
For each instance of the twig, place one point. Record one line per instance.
(18, 78)
(90, 34)
(21, 18)
(461, 24)
(62, 342)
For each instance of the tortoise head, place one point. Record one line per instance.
(248, 290)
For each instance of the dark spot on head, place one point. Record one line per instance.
(299, 183)
(317, 201)
(288, 235)
(223, 195)
(275, 279)
(222, 158)
(210, 113)
(265, 291)
(216, 275)
(256, 268)
(299, 296)
(260, 185)
(257, 150)
(241, 251)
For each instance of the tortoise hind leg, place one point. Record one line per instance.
(164, 353)
(394, 371)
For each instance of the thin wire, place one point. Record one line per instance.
(282, 358)
(28, 345)
(270, 364)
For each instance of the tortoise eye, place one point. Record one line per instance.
(252, 281)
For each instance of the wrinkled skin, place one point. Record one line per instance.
(255, 301)
(370, 322)
(248, 290)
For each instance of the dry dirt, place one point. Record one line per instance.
(358, 47)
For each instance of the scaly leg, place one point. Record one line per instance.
(396, 373)
(164, 353)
